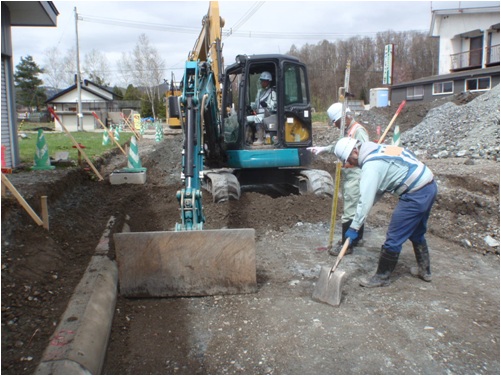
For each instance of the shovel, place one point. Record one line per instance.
(328, 287)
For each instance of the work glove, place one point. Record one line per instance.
(351, 234)
(318, 149)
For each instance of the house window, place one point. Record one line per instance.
(478, 84)
(415, 92)
(443, 88)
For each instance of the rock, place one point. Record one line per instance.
(491, 242)
(466, 243)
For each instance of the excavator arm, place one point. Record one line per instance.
(208, 46)
(201, 100)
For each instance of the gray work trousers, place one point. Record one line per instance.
(350, 178)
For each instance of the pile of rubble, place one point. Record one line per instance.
(470, 130)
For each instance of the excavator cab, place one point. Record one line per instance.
(282, 158)
(287, 125)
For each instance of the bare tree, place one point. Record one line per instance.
(145, 69)
(53, 68)
(415, 56)
(123, 67)
(70, 66)
(96, 67)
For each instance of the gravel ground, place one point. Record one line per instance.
(470, 130)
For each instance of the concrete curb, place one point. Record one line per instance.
(78, 345)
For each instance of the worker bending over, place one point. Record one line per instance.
(350, 176)
(387, 168)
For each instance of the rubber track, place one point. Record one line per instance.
(224, 186)
(320, 182)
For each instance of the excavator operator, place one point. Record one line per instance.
(264, 105)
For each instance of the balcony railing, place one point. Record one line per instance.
(492, 54)
(466, 60)
(473, 58)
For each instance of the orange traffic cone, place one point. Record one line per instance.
(5, 169)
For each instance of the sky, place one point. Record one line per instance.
(172, 27)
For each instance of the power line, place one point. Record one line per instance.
(232, 31)
(245, 17)
(139, 25)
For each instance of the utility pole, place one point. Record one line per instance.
(343, 96)
(79, 82)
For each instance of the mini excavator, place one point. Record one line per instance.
(217, 118)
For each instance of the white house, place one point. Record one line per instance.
(469, 38)
(94, 98)
(468, 56)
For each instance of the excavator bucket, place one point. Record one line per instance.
(186, 263)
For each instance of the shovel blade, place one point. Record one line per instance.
(328, 290)
(186, 263)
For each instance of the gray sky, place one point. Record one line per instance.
(173, 26)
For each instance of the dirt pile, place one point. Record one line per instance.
(466, 130)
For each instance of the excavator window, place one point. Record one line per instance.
(231, 106)
(295, 85)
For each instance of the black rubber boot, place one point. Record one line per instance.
(423, 260)
(387, 262)
(336, 250)
(360, 238)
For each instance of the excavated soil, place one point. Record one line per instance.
(410, 327)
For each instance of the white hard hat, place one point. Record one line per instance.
(335, 111)
(344, 147)
(265, 76)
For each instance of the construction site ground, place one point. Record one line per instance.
(448, 326)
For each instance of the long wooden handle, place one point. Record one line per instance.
(334, 203)
(76, 143)
(392, 121)
(340, 256)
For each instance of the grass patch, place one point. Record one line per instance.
(57, 142)
(26, 126)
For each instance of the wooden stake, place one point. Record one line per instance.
(76, 143)
(109, 133)
(45, 213)
(21, 200)
(392, 121)
(131, 127)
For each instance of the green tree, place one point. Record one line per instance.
(132, 93)
(117, 91)
(28, 84)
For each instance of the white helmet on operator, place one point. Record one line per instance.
(266, 76)
(335, 112)
(344, 147)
